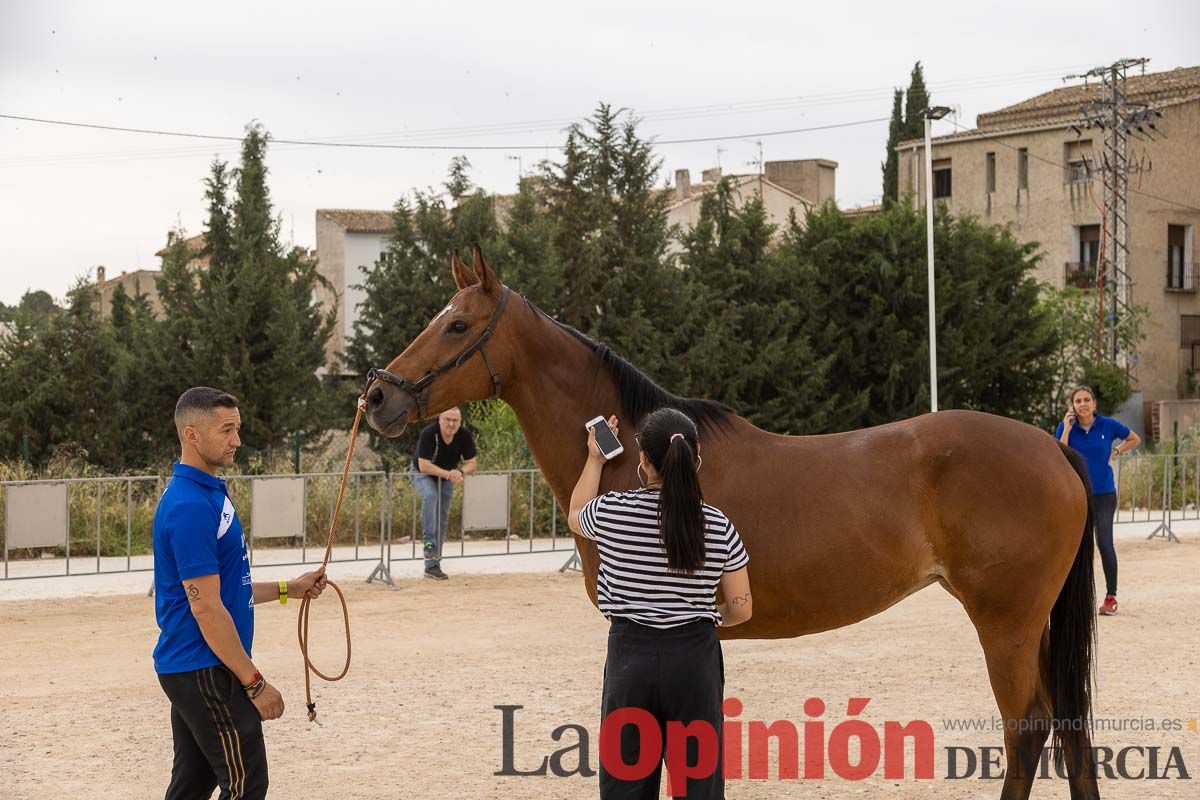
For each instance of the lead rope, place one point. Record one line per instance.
(302, 620)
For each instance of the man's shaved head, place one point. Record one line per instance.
(197, 403)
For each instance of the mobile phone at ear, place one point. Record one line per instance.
(607, 441)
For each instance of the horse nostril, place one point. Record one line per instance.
(375, 398)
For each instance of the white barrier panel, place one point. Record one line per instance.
(36, 516)
(485, 503)
(277, 507)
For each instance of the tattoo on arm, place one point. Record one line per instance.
(740, 600)
(193, 593)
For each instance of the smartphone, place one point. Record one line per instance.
(610, 446)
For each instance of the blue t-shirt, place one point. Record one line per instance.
(197, 532)
(1096, 446)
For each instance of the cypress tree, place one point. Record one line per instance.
(891, 162)
(915, 105)
(261, 334)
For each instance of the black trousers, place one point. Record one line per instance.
(218, 737)
(676, 675)
(1106, 509)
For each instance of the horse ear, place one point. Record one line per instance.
(463, 276)
(487, 277)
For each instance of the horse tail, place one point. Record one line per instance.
(1073, 635)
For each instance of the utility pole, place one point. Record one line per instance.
(1118, 119)
(937, 112)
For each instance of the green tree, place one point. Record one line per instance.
(611, 236)
(746, 347)
(525, 249)
(891, 161)
(260, 333)
(869, 309)
(1073, 360)
(63, 381)
(150, 382)
(916, 102)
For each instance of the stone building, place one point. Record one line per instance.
(349, 242)
(1025, 166)
(783, 187)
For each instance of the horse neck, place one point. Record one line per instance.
(555, 387)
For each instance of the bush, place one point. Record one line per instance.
(1111, 385)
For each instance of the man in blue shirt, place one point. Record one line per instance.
(204, 603)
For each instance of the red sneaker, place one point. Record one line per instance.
(1109, 609)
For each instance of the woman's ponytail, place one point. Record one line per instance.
(669, 440)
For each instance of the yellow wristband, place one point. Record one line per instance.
(283, 593)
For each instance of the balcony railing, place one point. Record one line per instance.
(1182, 283)
(1080, 274)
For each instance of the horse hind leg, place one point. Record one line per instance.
(1016, 662)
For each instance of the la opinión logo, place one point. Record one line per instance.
(746, 746)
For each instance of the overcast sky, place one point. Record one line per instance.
(496, 74)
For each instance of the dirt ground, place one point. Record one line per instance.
(82, 716)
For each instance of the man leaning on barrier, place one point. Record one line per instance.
(441, 446)
(204, 604)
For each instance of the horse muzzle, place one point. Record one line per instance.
(388, 408)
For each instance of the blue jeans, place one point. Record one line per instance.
(435, 514)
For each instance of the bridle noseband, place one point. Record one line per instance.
(419, 391)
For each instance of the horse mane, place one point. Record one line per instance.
(639, 394)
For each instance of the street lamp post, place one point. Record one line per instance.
(937, 112)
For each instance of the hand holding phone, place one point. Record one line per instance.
(603, 443)
(1069, 420)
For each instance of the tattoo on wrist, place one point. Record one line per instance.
(193, 593)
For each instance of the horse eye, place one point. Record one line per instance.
(458, 327)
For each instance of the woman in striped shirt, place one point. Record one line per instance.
(663, 553)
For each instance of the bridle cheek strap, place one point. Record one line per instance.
(419, 391)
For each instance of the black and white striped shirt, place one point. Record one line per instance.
(634, 581)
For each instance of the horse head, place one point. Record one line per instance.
(458, 358)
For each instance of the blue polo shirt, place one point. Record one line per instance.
(1096, 446)
(197, 532)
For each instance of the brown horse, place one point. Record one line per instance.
(838, 527)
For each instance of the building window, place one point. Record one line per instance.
(1189, 329)
(991, 172)
(1083, 272)
(941, 179)
(1023, 168)
(1077, 156)
(1179, 269)
(1089, 245)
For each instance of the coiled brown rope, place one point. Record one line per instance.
(302, 620)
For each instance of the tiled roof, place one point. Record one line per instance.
(194, 243)
(359, 220)
(1063, 104)
(862, 211)
(1061, 107)
(697, 190)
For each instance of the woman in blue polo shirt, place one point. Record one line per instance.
(1093, 436)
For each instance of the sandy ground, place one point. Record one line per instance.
(82, 716)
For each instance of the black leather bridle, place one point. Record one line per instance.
(419, 391)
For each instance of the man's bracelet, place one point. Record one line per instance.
(255, 687)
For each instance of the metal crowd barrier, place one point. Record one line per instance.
(1161, 487)
(89, 526)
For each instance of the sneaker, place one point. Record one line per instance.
(436, 573)
(1109, 609)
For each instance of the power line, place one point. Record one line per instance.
(382, 146)
(666, 114)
